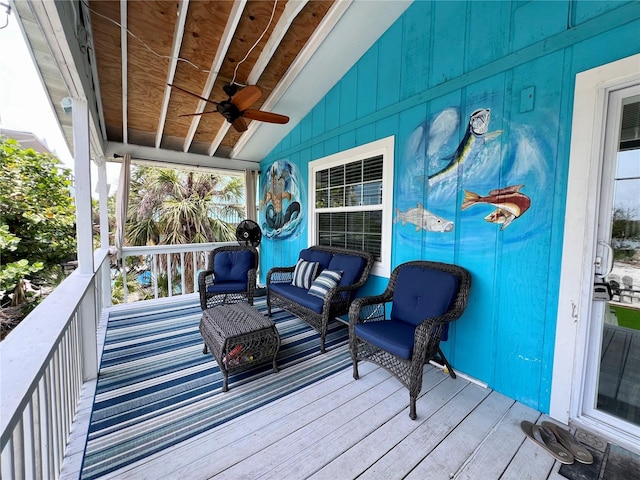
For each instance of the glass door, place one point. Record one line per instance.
(612, 387)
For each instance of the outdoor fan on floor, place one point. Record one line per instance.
(248, 232)
(236, 108)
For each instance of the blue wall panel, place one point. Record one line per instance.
(508, 69)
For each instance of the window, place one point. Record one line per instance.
(351, 200)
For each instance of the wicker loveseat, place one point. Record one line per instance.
(321, 301)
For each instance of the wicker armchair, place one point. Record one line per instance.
(230, 276)
(318, 312)
(425, 296)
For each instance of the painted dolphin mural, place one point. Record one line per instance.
(510, 204)
(474, 139)
(424, 219)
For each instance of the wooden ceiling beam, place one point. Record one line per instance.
(227, 36)
(291, 11)
(178, 32)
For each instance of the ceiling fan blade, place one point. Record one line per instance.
(191, 93)
(239, 124)
(196, 114)
(246, 97)
(263, 116)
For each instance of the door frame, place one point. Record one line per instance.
(592, 90)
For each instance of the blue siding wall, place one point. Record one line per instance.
(436, 65)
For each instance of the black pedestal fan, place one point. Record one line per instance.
(248, 232)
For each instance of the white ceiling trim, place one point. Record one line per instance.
(225, 41)
(356, 31)
(176, 158)
(291, 11)
(50, 26)
(175, 53)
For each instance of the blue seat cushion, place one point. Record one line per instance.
(310, 255)
(422, 293)
(227, 287)
(392, 336)
(232, 266)
(351, 266)
(298, 295)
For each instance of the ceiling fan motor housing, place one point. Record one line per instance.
(228, 110)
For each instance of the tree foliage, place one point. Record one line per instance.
(37, 214)
(177, 207)
(174, 207)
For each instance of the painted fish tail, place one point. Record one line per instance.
(470, 198)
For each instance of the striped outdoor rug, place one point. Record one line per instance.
(156, 388)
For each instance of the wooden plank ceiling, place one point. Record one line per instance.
(211, 38)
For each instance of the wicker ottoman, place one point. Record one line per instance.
(239, 337)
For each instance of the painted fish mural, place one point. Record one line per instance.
(474, 139)
(424, 219)
(510, 204)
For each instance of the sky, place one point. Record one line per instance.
(23, 104)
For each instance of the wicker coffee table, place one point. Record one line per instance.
(239, 337)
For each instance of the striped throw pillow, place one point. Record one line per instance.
(304, 274)
(325, 282)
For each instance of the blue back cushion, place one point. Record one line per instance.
(351, 267)
(422, 293)
(232, 266)
(310, 255)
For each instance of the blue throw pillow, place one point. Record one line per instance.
(325, 282)
(304, 274)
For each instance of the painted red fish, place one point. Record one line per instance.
(510, 204)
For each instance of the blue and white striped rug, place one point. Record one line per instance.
(156, 388)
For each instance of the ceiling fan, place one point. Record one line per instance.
(236, 108)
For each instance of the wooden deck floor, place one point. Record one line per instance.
(340, 428)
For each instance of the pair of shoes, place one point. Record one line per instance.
(580, 453)
(545, 438)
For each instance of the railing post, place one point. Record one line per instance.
(84, 229)
(87, 320)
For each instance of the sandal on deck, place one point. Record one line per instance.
(546, 439)
(580, 453)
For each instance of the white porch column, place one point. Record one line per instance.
(103, 196)
(84, 234)
(250, 180)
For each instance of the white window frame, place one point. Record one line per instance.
(384, 147)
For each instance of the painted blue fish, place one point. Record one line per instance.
(474, 139)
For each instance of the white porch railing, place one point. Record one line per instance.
(44, 363)
(48, 357)
(171, 263)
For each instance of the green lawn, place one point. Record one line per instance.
(627, 317)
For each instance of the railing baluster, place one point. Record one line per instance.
(29, 439)
(169, 282)
(57, 414)
(183, 275)
(19, 453)
(49, 421)
(7, 460)
(125, 288)
(155, 276)
(194, 261)
(37, 433)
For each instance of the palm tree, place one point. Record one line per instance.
(174, 207)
